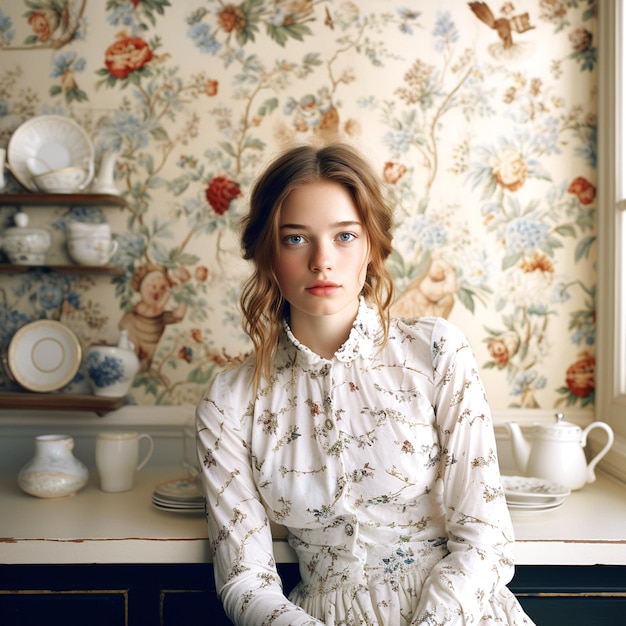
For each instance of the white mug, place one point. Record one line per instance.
(117, 459)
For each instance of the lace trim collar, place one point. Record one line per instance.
(365, 333)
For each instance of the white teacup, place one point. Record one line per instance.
(64, 180)
(92, 250)
(117, 459)
(87, 229)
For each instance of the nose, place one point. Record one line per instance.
(321, 257)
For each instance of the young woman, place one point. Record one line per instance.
(369, 438)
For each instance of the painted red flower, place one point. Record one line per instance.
(40, 25)
(393, 172)
(127, 55)
(580, 376)
(503, 347)
(583, 189)
(185, 353)
(211, 88)
(201, 273)
(232, 18)
(221, 192)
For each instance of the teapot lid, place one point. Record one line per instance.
(560, 427)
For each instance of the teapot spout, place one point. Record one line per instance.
(519, 446)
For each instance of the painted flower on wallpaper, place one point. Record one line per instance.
(211, 88)
(221, 192)
(504, 168)
(581, 40)
(127, 55)
(232, 18)
(580, 379)
(41, 24)
(503, 347)
(135, 14)
(510, 169)
(54, 22)
(583, 190)
(7, 30)
(393, 172)
(314, 113)
(282, 22)
(65, 67)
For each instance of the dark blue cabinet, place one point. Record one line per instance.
(170, 595)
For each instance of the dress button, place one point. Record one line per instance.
(349, 530)
(348, 365)
(329, 424)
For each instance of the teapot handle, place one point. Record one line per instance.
(591, 475)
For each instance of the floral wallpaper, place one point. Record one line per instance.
(479, 116)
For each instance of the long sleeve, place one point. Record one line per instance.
(241, 542)
(480, 535)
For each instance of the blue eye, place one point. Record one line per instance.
(346, 237)
(294, 240)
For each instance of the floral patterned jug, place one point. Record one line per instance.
(54, 471)
(112, 369)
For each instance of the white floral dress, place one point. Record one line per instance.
(382, 465)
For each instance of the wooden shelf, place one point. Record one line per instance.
(41, 199)
(83, 270)
(59, 402)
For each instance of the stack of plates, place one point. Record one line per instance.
(533, 494)
(182, 495)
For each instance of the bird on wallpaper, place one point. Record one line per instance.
(504, 26)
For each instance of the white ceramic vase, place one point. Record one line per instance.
(54, 471)
(112, 369)
(105, 179)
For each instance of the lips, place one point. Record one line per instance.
(322, 288)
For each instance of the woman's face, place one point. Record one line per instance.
(323, 253)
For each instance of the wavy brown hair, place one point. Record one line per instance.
(261, 301)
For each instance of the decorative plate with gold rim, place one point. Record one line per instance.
(44, 356)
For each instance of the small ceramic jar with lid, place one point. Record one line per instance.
(23, 245)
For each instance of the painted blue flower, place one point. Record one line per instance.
(445, 31)
(67, 61)
(7, 32)
(425, 232)
(104, 371)
(200, 35)
(50, 296)
(526, 235)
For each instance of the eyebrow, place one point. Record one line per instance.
(345, 224)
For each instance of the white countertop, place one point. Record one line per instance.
(98, 527)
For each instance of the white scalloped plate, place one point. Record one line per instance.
(180, 489)
(54, 141)
(44, 356)
(520, 489)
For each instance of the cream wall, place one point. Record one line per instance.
(487, 145)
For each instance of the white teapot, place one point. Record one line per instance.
(557, 452)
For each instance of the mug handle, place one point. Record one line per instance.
(112, 248)
(146, 458)
(591, 475)
(88, 174)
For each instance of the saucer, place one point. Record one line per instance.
(44, 356)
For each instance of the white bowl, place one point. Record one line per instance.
(64, 180)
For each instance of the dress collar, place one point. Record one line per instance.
(365, 333)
